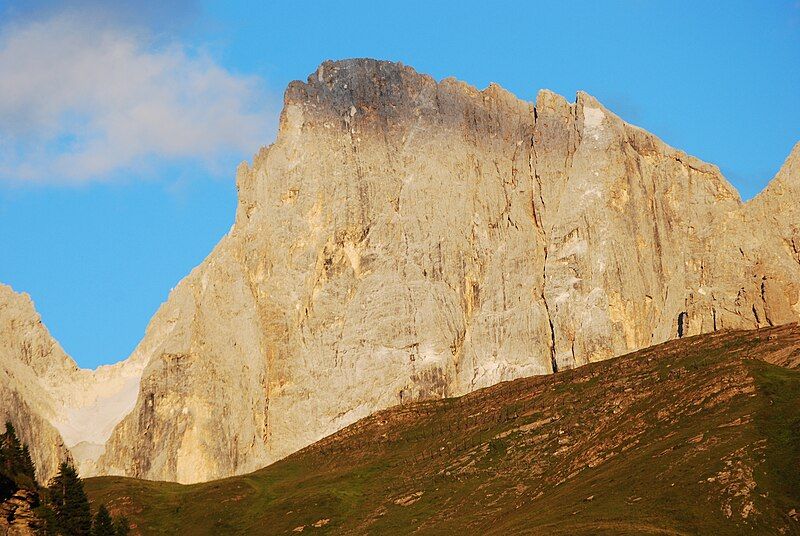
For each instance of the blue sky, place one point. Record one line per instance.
(121, 123)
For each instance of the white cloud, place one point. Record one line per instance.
(80, 103)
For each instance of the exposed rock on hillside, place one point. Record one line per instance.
(51, 402)
(17, 517)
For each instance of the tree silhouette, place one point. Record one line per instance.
(15, 458)
(121, 526)
(103, 524)
(69, 502)
(27, 466)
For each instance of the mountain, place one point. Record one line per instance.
(406, 239)
(695, 436)
(55, 406)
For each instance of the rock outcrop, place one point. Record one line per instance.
(405, 239)
(17, 517)
(52, 403)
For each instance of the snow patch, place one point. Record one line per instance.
(91, 416)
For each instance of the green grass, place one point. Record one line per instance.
(779, 422)
(656, 442)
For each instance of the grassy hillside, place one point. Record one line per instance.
(700, 435)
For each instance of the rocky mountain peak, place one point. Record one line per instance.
(23, 334)
(788, 177)
(406, 239)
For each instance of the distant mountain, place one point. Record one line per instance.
(697, 436)
(54, 404)
(406, 239)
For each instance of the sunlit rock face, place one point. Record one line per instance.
(55, 406)
(405, 239)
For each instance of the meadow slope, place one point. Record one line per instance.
(695, 436)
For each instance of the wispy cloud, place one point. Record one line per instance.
(83, 101)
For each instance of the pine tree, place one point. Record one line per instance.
(121, 526)
(103, 525)
(7, 486)
(8, 481)
(10, 435)
(11, 450)
(69, 502)
(15, 460)
(27, 466)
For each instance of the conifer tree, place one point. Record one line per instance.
(8, 483)
(16, 465)
(7, 486)
(10, 435)
(27, 467)
(11, 450)
(121, 526)
(103, 524)
(69, 502)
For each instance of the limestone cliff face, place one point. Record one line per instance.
(27, 353)
(645, 242)
(776, 214)
(407, 239)
(52, 403)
